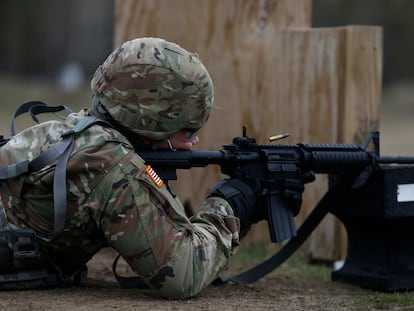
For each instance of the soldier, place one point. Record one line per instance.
(149, 93)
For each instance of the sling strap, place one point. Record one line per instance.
(311, 222)
(128, 281)
(59, 153)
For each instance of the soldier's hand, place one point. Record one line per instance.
(241, 198)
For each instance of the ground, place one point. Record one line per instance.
(286, 289)
(294, 286)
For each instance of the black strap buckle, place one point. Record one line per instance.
(25, 248)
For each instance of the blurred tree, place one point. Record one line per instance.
(40, 37)
(396, 18)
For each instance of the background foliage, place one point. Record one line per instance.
(42, 37)
(396, 18)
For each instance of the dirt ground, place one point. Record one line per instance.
(284, 289)
(267, 295)
(281, 290)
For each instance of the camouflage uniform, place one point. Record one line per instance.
(115, 200)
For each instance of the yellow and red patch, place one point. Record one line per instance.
(154, 176)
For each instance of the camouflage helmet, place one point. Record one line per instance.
(154, 88)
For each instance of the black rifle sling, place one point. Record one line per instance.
(128, 281)
(311, 222)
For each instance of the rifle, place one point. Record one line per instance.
(267, 166)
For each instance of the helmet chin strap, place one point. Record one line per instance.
(170, 145)
(100, 110)
(160, 145)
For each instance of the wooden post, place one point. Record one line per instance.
(272, 73)
(357, 115)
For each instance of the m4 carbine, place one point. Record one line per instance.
(267, 167)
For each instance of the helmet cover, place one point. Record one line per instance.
(154, 88)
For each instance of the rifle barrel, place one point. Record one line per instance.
(396, 160)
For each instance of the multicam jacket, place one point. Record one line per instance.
(115, 200)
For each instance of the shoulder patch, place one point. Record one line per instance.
(154, 176)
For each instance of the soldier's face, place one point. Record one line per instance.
(182, 140)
